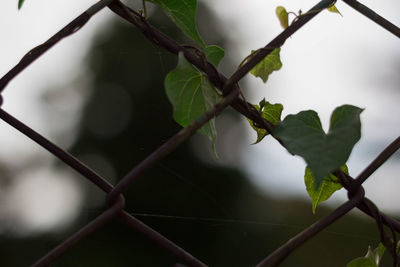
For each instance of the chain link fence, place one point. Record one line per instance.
(387, 226)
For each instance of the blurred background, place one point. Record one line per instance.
(99, 94)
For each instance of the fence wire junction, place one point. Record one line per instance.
(231, 92)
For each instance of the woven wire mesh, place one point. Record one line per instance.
(231, 91)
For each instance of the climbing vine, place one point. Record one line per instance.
(198, 93)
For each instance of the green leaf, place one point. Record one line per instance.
(262, 104)
(333, 9)
(371, 259)
(214, 54)
(20, 3)
(330, 184)
(267, 65)
(303, 135)
(283, 16)
(362, 262)
(191, 94)
(378, 253)
(270, 112)
(183, 13)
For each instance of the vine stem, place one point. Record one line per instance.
(216, 78)
(230, 90)
(275, 43)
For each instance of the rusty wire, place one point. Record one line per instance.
(231, 91)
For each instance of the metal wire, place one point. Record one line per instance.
(229, 87)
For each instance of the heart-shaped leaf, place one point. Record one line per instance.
(330, 184)
(183, 13)
(270, 112)
(269, 64)
(191, 93)
(303, 135)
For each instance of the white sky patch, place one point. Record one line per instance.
(41, 200)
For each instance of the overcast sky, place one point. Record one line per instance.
(331, 61)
